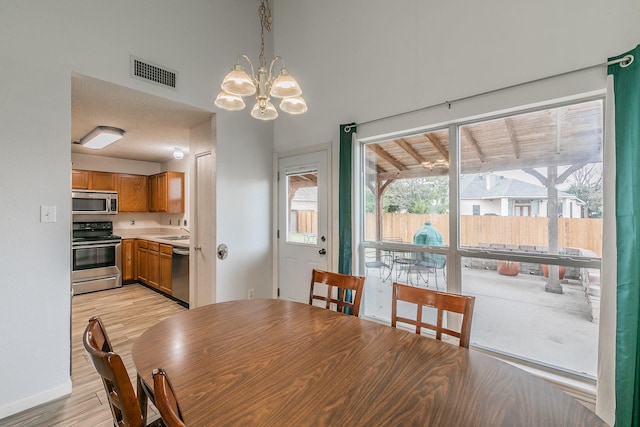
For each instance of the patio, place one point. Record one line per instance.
(555, 329)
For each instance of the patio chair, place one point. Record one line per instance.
(380, 259)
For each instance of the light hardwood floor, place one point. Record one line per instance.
(126, 312)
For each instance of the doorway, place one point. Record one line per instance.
(303, 222)
(155, 127)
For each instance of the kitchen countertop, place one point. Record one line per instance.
(155, 235)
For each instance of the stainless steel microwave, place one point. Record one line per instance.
(90, 202)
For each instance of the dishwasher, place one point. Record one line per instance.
(180, 274)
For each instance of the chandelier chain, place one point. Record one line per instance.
(264, 11)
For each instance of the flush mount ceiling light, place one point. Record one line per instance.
(178, 153)
(264, 85)
(101, 136)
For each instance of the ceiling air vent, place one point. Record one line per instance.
(144, 70)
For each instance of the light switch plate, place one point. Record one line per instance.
(47, 213)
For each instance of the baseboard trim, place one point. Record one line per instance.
(37, 399)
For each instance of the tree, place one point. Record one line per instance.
(417, 195)
(586, 185)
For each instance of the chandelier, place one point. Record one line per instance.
(264, 85)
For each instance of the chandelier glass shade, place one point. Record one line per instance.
(264, 84)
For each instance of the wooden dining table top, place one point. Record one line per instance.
(269, 362)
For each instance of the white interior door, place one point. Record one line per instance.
(303, 242)
(203, 244)
(202, 259)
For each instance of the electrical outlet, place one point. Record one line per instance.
(132, 222)
(250, 294)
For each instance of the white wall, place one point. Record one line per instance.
(362, 60)
(41, 44)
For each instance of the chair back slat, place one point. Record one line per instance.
(442, 302)
(344, 292)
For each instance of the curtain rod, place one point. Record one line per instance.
(625, 61)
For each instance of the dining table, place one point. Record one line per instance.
(272, 362)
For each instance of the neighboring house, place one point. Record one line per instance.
(490, 194)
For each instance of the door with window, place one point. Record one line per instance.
(303, 241)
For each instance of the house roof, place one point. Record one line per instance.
(474, 187)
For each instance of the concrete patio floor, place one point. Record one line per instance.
(512, 315)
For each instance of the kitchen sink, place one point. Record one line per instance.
(184, 237)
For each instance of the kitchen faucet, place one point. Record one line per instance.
(185, 229)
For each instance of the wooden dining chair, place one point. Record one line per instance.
(165, 399)
(344, 292)
(125, 407)
(441, 301)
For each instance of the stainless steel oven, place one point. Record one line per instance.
(96, 257)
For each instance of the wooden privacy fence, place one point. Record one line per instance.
(584, 233)
(306, 222)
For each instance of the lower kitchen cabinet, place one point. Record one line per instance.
(154, 264)
(166, 252)
(142, 251)
(128, 260)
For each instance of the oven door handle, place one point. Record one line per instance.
(100, 245)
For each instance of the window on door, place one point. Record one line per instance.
(531, 259)
(302, 208)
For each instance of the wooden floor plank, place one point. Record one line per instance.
(126, 312)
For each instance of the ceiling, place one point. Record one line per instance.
(154, 126)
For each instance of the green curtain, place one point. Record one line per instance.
(344, 199)
(626, 82)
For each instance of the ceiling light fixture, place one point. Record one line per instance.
(237, 83)
(438, 164)
(178, 153)
(101, 136)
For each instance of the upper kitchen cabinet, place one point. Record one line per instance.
(166, 192)
(132, 193)
(93, 180)
(80, 179)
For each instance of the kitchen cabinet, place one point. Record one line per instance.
(132, 193)
(128, 260)
(93, 180)
(166, 192)
(80, 179)
(166, 253)
(142, 252)
(153, 265)
(103, 181)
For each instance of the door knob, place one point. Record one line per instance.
(322, 251)
(223, 251)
